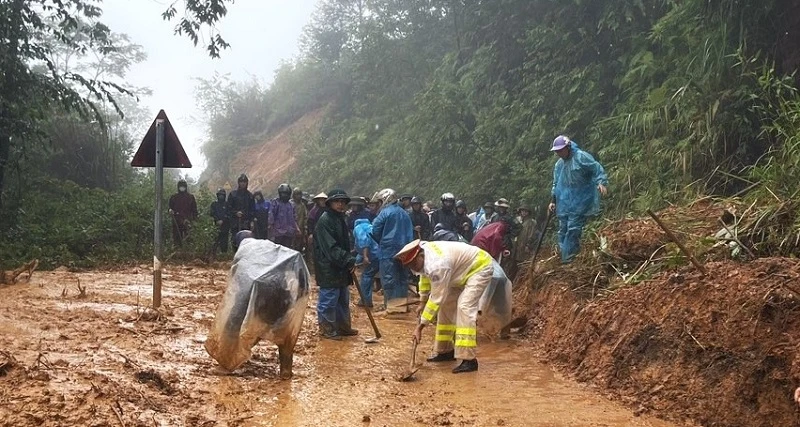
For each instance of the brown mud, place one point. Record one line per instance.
(97, 357)
(721, 349)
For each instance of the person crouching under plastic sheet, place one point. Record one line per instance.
(333, 264)
(578, 182)
(456, 275)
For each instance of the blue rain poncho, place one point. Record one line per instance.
(392, 229)
(362, 234)
(575, 183)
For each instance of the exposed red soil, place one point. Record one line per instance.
(716, 350)
(267, 164)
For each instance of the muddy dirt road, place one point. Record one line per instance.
(98, 358)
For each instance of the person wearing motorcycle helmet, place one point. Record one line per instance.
(463, 223)
(420, 220)
(446, 215)
(392, 229)
(241, 207)
(282, 224)
(219, 213)
(183, 210)
(405, 201)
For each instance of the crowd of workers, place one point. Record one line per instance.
(452, 251)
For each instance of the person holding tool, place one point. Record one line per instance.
(453, 278)
(333, 264)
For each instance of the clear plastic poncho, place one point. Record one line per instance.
(495, 303)
(266, 298)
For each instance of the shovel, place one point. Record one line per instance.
(408, 374)
(368, 340)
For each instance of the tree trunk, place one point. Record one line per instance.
(11, 65)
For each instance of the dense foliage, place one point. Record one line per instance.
(676, 98)
(68, 125)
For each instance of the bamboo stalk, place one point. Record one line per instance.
(677, 242)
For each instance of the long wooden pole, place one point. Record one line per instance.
(677, 242)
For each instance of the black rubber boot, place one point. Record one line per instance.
(443, 357)
(466, 366)
(348, 332)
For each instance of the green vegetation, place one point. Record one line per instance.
(676, 98)
(68, 124)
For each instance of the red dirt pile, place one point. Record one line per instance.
(717, 350)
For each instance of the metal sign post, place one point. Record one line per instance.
(161, 149)
(157, 241)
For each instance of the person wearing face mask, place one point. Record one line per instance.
(241, 206)
(282, 224)
(453, 278)
(219, 213)
(183, 209)
(260, 216)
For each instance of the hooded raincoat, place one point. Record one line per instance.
(576, 196)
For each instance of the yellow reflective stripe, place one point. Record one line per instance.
(466, 337)
(424, 284)
(445, 332)
(431, 308)
(482, 261)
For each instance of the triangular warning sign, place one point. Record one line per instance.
(174, 154)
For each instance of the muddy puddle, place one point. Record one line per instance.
(99, 358)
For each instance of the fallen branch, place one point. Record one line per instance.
(11, 277)
(677, 242)
(118, 413)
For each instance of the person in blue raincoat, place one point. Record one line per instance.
(578, 182)
(367, 254)
(392, 229)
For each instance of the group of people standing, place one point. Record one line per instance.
(283, 219)
(453, 252)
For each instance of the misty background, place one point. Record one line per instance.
(262, 33)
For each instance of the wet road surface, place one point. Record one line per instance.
(105, 364)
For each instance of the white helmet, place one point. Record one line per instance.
(385, 196)
(448, 196)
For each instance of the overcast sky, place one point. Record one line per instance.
(261, 33)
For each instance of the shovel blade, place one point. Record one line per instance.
(407, 375)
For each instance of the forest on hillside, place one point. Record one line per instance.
(676, 98)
